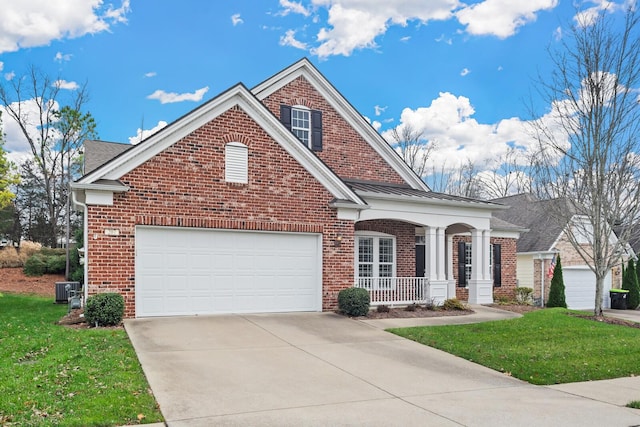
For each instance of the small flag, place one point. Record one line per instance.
(552, 267)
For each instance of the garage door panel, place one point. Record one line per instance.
(580, 288)
(193, 271)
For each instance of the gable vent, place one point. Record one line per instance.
(236, 163)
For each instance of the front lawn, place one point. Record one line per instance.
(543, 347)
(54, 375)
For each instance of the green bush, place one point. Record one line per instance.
(354, 301)
(104, 309)
(45, 262)
(556, 290)
(36, 265)
(524, 295)
(630, 283)
(453, 304)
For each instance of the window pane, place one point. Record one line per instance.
(365, 270)
(386, 270)
(386, 250)
(301, 124)
(365, 249)
(467, 257)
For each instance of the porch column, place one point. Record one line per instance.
(441, 250)
(451, 283)
(480, 285)
(430, 253)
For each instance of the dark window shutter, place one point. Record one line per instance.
(316, 130)
(497, 265)
(462, 275)
(285, 116)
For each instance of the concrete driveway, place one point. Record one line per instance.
(321, 369)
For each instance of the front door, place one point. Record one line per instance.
(420, 260)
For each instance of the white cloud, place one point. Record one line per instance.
(29, 23)
(379, 110)
(501, 18)
(588, 16)
(9, 76)
(405, 38)
(63, 84)
(62, 57)
(444, 39)
(449, 122)
(236, 20)
(142, 134)
(557, 34)
(171, 97)
(1, 65)
(464, 72)
(355, 24)
(150, 74)
(293, 7)
(289, 39)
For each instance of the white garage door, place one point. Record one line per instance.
(194, 271)
(580, 288)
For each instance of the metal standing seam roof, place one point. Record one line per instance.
(406, 190)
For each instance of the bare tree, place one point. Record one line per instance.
(414, 149)
(588, 144)
(511, 176)
(52, 133)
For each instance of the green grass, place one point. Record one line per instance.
(634, 404)
(54, 375)
(543, 347)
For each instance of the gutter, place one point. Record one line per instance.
(85, 237)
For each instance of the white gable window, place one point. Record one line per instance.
(301, 124)
(236, 163)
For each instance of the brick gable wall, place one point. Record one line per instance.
(184, 186)
(344, 150)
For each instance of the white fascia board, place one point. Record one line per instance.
(540, 254)
(346, 110)
(99, 187)
(505, 234)
(236, 96)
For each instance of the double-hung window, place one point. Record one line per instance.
(376, 261)
(304, 123)
(465, 262)
(301, 124)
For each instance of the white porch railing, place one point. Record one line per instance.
(395, 290)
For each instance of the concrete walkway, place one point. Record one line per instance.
(321, 369)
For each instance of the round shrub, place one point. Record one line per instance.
(104, 309)
(354, 301)
(35, 265)
(56, 264)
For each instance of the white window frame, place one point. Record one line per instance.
(236, 163)
(468, 258)
(299, 130)
(376, 237)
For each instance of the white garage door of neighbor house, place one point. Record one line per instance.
(580, 288)
(194, 271)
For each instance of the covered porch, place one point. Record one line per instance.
(408, 248)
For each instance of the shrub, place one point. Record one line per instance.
(556, 290)
(431, 305)
(17, 257)
(105, 309)
(56, 263)
(411, 307)
(36, 265)
(354, 301)
(453, 304)
(524, 295)
(630, 283)
(383, 308)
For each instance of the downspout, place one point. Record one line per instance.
(85, 237)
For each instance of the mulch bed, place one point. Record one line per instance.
(419, 311)
(609, 320)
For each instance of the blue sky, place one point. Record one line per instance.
(460, 72)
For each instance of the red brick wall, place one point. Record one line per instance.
(508, 270)
(405, 242)
(344, 150)
(184, 186)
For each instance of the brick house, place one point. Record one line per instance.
(546, 237)
(274, 199)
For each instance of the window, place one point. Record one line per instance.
(304, 123)
(301, 125)
(465, 261)
(236, 163)
(376, 260)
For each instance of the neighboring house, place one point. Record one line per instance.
(537, 248)
(272, 200)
